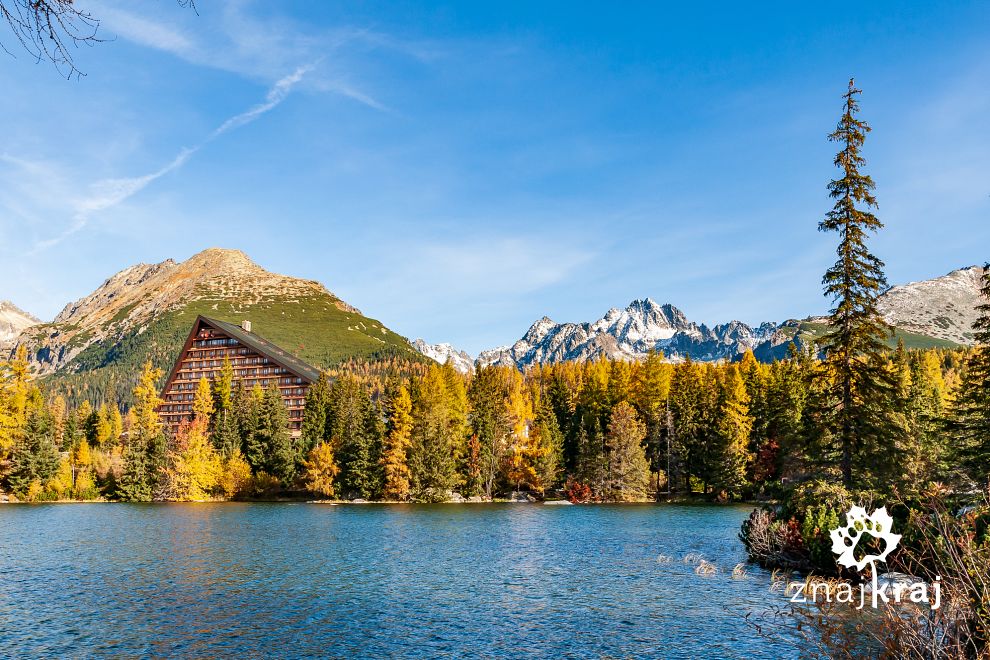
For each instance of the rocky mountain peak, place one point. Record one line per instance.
(942, 307)
(13, 321)
(444, 353)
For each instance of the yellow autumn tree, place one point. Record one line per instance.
(235, 479)
(395, 450)
(192, 466)
(523, 451)
(320, 470)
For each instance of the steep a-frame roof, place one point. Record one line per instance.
(283, 357)
(255, 342)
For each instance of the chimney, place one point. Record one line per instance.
(246, 326)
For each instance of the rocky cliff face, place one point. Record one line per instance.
(13, 321)
(944, 307)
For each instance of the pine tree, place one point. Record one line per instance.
(247, 407)
(314, 420)
(223, 425)
(971, 416)
(34, 459)
(855, 343)
(548, 448)
(628, 469)
(437, 423)
(652, 391)
(398, 439)
(490, 425)
(351, 428)
(144, 452)
(271, 443)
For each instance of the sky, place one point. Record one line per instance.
(458, 170)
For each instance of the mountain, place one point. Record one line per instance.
(629, 333)
(937, 312)
(13, 321)
(443, 353)
(943, 307)
(145, 311)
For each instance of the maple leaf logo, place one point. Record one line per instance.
(877, 525)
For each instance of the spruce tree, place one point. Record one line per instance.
(144, 452)
(858, 381)
(628, 470)
(314, 420)
(971, 417)
(35, 459)
(272, 437)
(223, 427)
(432, 461)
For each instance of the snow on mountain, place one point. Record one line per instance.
(443, 353)
(943, 307)
(629, 333)
(13, 321)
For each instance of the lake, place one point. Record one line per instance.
(504, 580)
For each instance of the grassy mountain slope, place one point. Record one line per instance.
(96, 346)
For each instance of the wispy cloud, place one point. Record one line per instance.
(242, 44)
(278, 92)
(108, 193)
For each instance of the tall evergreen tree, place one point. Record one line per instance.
(432, 457)
(271, 450)
(490, 425)
(144, 451)
(628, 469)
(35, 459)
(859, 382)
(314, 420)
(971, 416)
(223, 427)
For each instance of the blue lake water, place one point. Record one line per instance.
(293, 580)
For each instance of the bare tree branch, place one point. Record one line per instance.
(49, 29)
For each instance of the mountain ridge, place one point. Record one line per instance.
(934, 312)
(97, 343)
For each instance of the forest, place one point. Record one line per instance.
(599, 431)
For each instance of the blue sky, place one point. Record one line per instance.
(459, 170)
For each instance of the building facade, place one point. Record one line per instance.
(255, 361)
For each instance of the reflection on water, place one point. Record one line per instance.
(375, 580)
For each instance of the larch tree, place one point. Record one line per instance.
(398, 439)
(858, 381)
(734, 427)
(193, 467)
(320, 470)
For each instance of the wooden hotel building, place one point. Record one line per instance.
(255, 361)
